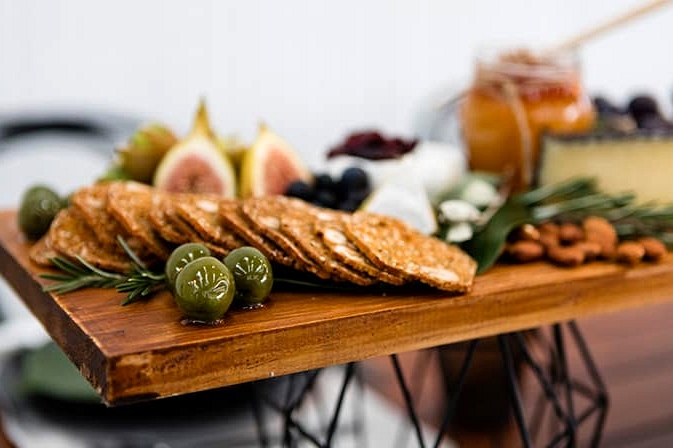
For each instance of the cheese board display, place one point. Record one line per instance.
(143, 351)
(200, 261)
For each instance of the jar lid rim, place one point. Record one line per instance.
(525, 62)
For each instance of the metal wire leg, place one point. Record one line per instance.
(547, 387)
(418, 374)
(566, 383)
(350, 371)
(453, 402)
(602, 401)
(407, 400)
(294, 429)
(559, 380)
(506, 353)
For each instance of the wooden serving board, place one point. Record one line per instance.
(142, 351)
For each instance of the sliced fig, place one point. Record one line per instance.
(196, 164)
(270, 166)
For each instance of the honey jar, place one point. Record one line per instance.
(514, 98)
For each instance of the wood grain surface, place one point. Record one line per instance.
(142, 351)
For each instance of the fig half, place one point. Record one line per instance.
(196, 164)
(270, 166)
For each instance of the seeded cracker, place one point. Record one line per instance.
(232, 215)
(297, 223)
(171, 227)
(130, 203)
(91, 204)
(163, 215)
(391, 244)
(194, 237)
(341, 248)
(264, 213)
(71, 237)
(202, 214)
(42, 251)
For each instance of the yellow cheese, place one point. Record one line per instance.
(636, 163)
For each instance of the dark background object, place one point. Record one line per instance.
(105, 126)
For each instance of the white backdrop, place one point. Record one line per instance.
(313, 70)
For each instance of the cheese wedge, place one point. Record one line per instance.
(638, 163)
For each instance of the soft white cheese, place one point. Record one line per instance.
(438, 166)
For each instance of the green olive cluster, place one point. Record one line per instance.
(205, 287)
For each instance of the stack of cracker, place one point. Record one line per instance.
(361, 248)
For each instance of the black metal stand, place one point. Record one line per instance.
(560, 391)
(288, 395)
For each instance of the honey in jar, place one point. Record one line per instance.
(516, 97)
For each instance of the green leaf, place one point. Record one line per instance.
(487, 245)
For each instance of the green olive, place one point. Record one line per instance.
(39, 206)
(204, 289)
(253, 274)
(180, 257)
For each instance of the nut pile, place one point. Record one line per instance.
(572, 244)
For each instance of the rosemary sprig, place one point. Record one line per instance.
(79, 275)
(572, 188)
(132, 255)
(139, 282)
(592, 203)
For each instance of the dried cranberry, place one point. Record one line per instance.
(372, 145)
(369, 138)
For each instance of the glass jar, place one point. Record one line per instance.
(514, 98)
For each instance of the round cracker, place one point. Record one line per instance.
(391, 244)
